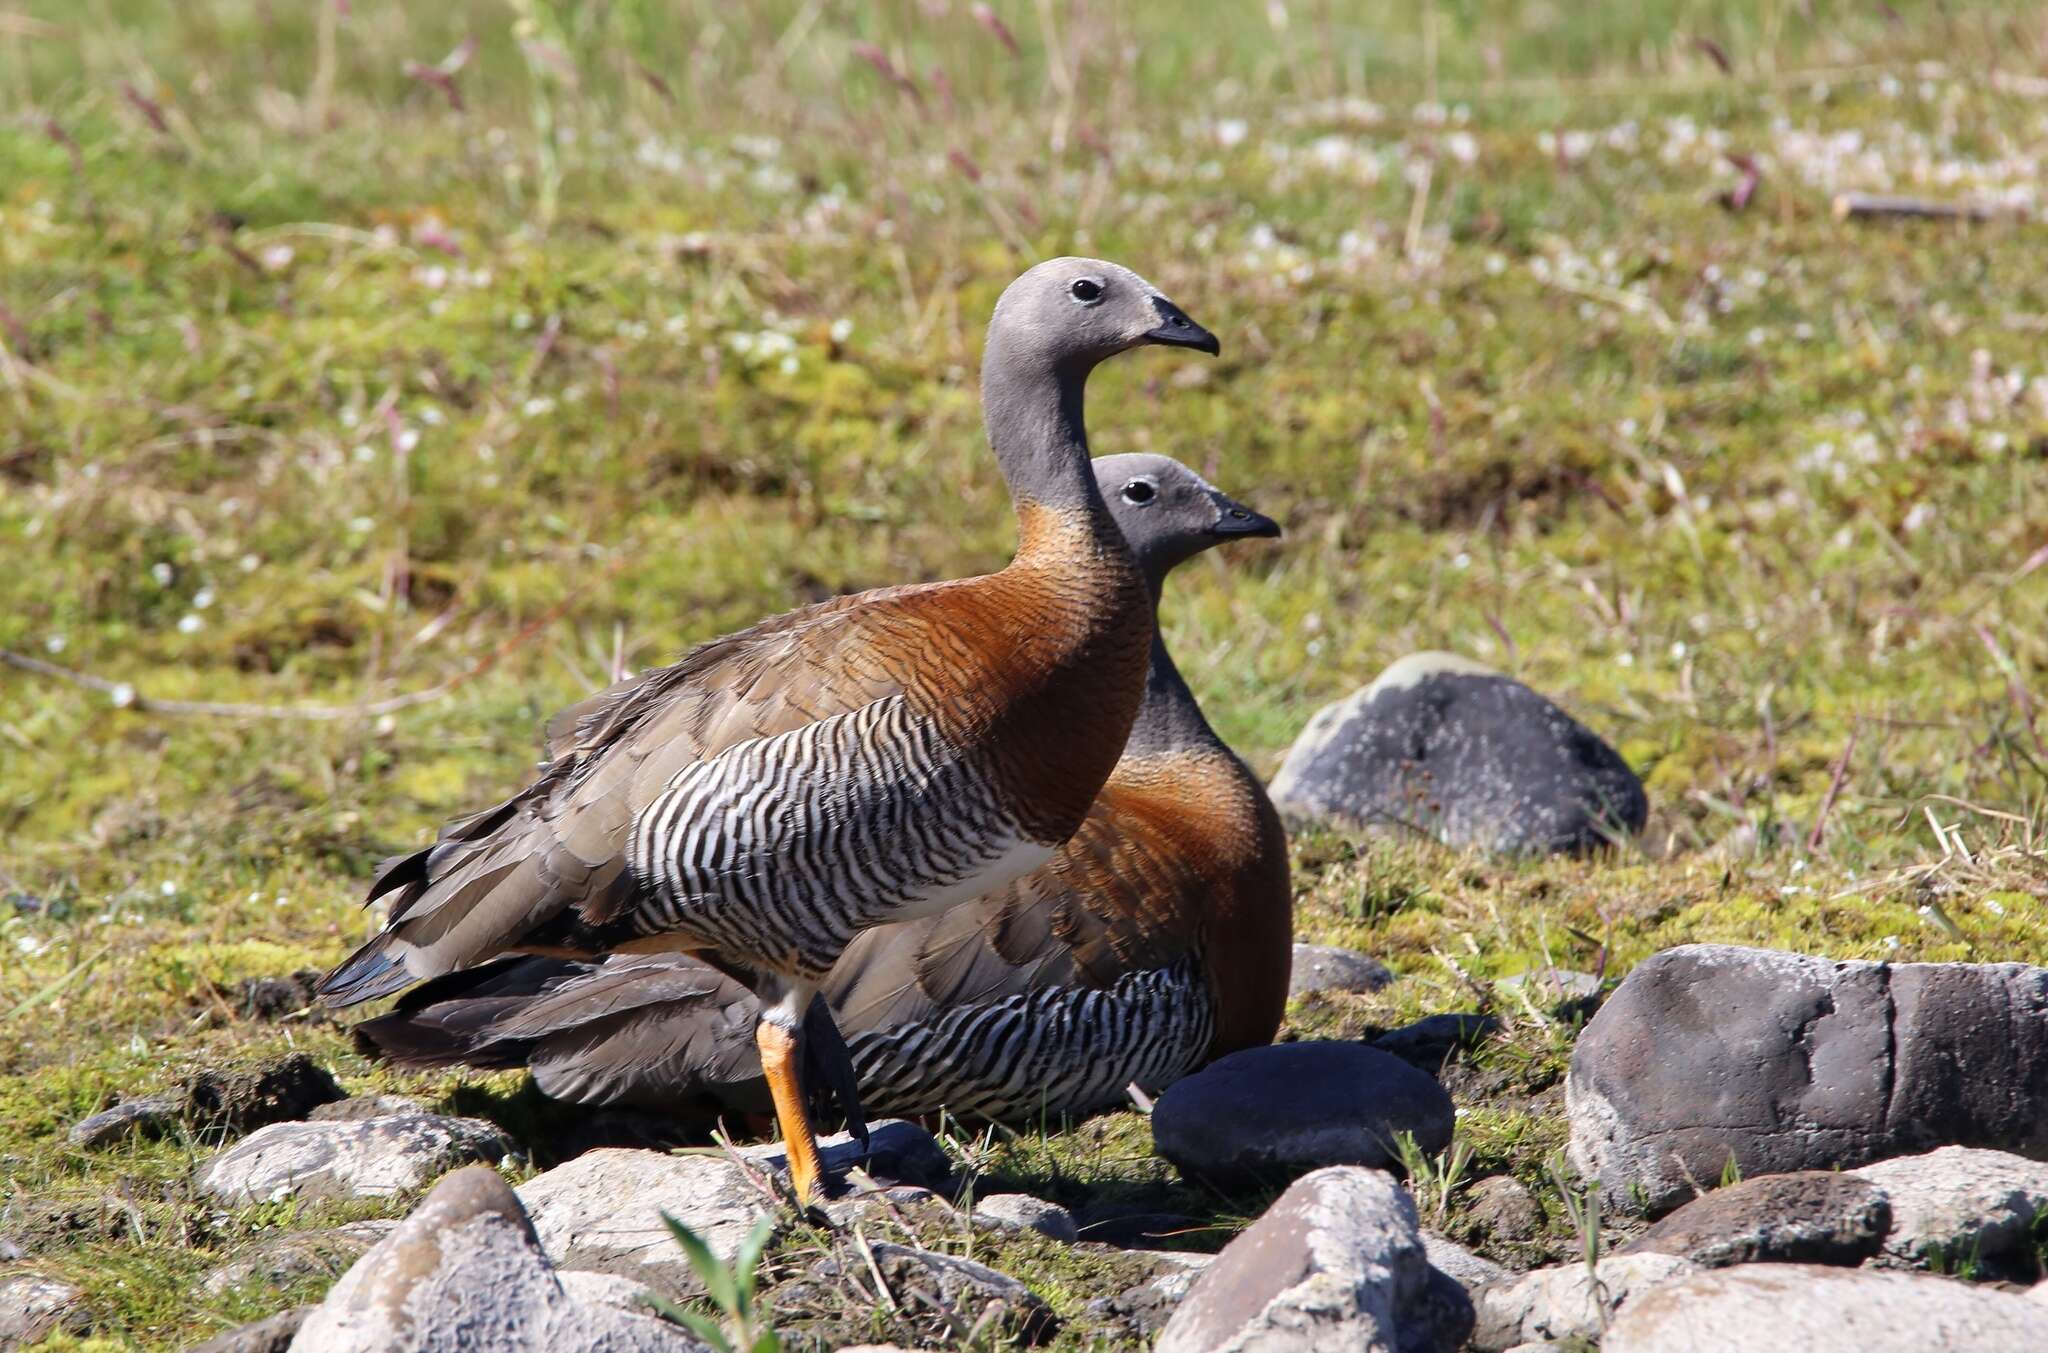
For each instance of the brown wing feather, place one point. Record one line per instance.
(495, 876)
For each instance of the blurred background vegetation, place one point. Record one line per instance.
(427, 363)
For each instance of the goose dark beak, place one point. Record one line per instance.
(1234, 519)
(1176, 330)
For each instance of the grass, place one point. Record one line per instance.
(317, 388)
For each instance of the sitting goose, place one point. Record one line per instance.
(870, 759)
(1156, 939)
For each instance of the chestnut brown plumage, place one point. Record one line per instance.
(868, 760)
(1156, 938)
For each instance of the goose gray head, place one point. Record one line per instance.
(1071, 313)
(1170, 514)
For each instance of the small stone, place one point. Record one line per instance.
(1709, 1053)
(1322, 967)
(1565, 1302)
(1959, 1206)
(1559, 992)
(1266, 1115)
(1503, 1207)
(32, 1308)
(1020, 1211)
(465, 1271)
(1810, 1309)
(1429, 1042)
(358, 1107)
(1808, 1217)
(271, 1335)
(603, 1210)
(1337, 1263)
(1452, 749)
(148, 1116)
(1459, 1264)
(373, 1158)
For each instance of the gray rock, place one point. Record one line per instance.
(373, 1158)
(1265, 1115)
(1776, 1308)
(1566, 1302)
(148, 1116)
(273, 1334)
(605, 1289)
(2037, 1293)
(1780, 1062)
(1807, 1217)
(296, 1254)
(1336, 1263)
(922, 1280)
(358, 1107)
(1137, 1313)
(1020, 1211)
(1459, 1264)
(1558, 989)
(464, 1271)
(603, 1210)
(1503, 1206)
(1452, 749)
(32, 1308)
(1324, 967)
(1958, 1206)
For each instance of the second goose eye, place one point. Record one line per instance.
(1139, 492)
(1086, 290)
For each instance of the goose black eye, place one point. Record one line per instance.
(1086, 290)
(1139, 492)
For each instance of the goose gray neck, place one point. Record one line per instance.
(1169, 720)
(1037, 429)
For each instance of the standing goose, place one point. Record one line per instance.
(1157, 938)
(875, 758)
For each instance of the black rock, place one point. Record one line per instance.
(1429, 1042)
(1446, 747)
(1777, 1062)
(1268, 1115)
(228, 1104)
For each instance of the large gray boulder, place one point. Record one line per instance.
(368, 1158)
(1806, 1217)
(1444, 746)
(1708, 1054)
(1336, 1264)
(1567, 1302)
(465, 1271)
(603, 1210)
(1777, 1308)
(1959, 1206)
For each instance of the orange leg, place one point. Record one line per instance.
(782, 1063)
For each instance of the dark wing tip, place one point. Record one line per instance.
(365, 975)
